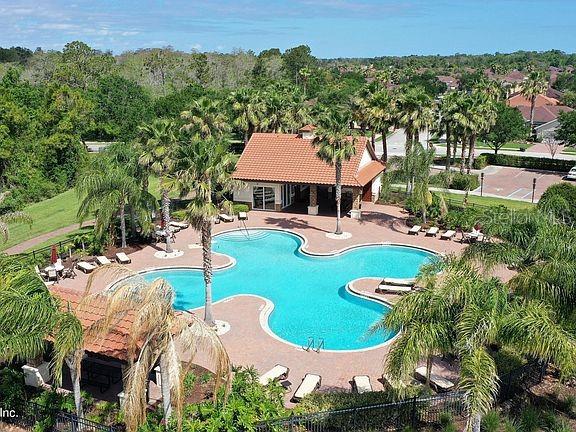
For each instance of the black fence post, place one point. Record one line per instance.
(413, 413)
(354, 419)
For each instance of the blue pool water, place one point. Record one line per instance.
(308, 291)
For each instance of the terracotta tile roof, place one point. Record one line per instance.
(308, 128)
(544, 114)
(112, 345)
(518, 100)
(289, 158)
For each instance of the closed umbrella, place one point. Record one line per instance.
(53, 254)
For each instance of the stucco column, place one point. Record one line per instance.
(313, 205)
(355, 213)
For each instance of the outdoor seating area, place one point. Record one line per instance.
(475, 235)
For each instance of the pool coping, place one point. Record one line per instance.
(269, 306)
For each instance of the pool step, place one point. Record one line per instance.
(244, 235)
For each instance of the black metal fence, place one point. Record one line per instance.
(394, 416)
(33, 416)
(521, 379)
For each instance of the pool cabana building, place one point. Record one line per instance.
(281, 172)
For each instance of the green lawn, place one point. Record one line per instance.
(52, 214)
(48, 215)
(512, 145)
(63, 237)
(569, 150)
(491, 201)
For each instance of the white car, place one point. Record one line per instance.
(571, 174)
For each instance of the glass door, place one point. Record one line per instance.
(263, 198)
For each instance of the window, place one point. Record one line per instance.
(263, 198)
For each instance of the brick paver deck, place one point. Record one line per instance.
(247, 342)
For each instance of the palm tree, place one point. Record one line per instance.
(11, 217)
(446, 123)
(29, 316)
(206, 117)
(461, 311)
(248, 109)
(277, 116)
(205, 168)
(416, 167)
(381, 115)
(156, 332)
(415, 114)
(335, 146)
(534, 85)
(106, 190)
(157, 142)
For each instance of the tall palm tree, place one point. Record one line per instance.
(277, 114)
(334, 146)
(416, 167)
(157, 142)
(206, 117)
(204, 167)
(29, 316)
(11, 217)
(415, 114)
(156, 332)
(381, 115)
(248, 108)
(106, 190)
(534, 85)
(446, 123)
(461, 311)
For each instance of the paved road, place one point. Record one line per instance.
(396, 142)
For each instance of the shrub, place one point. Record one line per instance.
(12, 389)
(559, 201)
(463, 218)
(481, 161)
(545, 164)
(239, 207)
(455, 180)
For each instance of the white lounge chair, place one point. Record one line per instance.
(226, 218)
(448, 235)
(361, 384)
(181, 225)
(278, 372)
(439, 383)
(86, 267)
(52, 275)
(42, 274)
(122, 258)
(399, 281)
(432, 231)
(415, 230)
(102, 260)
(242, 216)
(309, 384)
(393, 289)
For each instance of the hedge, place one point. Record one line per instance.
(545, 164)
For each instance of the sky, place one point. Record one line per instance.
(332, 28)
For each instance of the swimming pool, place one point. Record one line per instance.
(308, 292)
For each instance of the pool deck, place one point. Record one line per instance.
(247, 342)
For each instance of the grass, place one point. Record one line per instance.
(491, 201)
(511, 145)
(61, 238)
(52, 214)
(48, 215)
(569, 150)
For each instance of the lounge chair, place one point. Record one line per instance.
(122, 258)
(448, 235)
(361, 384)
(226, 218)
(399, 281)
(278, 372)
(181, 225)
(42, 274)
(415, 230)
(432, 231)
(309, 384)
(393, 289)
(102, 260)
(86, 267)
(439, 383)
(242, 216)
(216, 219)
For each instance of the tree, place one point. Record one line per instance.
(158, 141)
(29, 316)
(80, 66)
(381, 115)
(509, 125)
(415, 114)
(416, 167)
(461, 311)
(567, 128)
(248, 109)
(204, 166)
(447, 124)
(156, 332)
(107, 191)
(205, 118)
(297, 58)
(534, 85)
(10, 217)
(334, 146)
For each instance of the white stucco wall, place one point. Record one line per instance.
(366, 158)
(376, 183)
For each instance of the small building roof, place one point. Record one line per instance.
(518, 100)
(545, 113)
(289, 158)
(115, 343)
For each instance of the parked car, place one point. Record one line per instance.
(571, 174)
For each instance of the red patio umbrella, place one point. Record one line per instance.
(53, 254)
